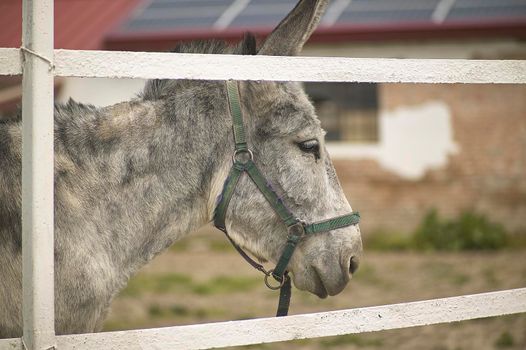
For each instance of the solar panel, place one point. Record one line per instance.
(176, 14)
(379, 17)
(169, 24)
(486, 9)
(168, 15)
(380, 11)
(486, 13)
(484, 3)
(392, 5)
(260, 20)
(273, 2)
(258, 8)
(177, 4)
(263, 13)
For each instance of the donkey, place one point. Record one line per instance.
(133, 178)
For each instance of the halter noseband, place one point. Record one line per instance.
(243, 162)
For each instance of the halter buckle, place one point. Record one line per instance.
(242, 156)
(296, 231)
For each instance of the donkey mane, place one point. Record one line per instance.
(158, 88)
(213, 46)
(154, 89)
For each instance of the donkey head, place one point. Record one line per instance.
(288, 145)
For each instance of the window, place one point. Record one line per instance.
(348, 111)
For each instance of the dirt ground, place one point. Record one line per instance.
(202, 279)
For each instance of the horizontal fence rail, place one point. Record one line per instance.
(266, 330)
(147, 65)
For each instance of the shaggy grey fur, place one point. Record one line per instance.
(132, 178)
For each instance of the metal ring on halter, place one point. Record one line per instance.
(270, 286)
(241, 151)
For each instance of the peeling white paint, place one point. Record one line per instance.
(38, 292)
(413, 140)
(323, 324)
(148, 65)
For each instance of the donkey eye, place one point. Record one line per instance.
(310, 146)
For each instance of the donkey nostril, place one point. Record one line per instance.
(353, 265)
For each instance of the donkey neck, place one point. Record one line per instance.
(152, 171)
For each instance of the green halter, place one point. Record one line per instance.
(243, 162)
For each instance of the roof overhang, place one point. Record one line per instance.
(164, 40)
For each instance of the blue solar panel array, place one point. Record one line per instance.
(177, 14)
(169, 15)
(378, 11)
(263, 13)
(487, 9)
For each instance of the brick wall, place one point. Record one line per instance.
(488, 174)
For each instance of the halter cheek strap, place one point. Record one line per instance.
(243, 162)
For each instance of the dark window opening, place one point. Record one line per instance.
(348, 111)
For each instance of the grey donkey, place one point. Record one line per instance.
(133, 178)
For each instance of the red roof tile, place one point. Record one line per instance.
(79, 24)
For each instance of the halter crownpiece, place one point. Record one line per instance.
(243, 162)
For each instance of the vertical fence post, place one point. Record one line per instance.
(37, 175)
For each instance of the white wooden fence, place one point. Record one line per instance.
(39, 63)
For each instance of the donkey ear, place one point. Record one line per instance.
(288, 38)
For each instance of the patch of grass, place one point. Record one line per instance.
(120, 325)
(201, 313)
(460, 279)
(351, 339)
(470, 231)
(156, 311)
(244, 317)
(256, 346)
(203, 289)
(168, 283)
(505, 340)
(367, 274)
(446, 272)
(180, 246)
(509, 319)
(293, 344)
(159, 283)
(440, 347)
(216, 245)
(517, 240)
(226, 284)
(241, 284)
(179, 310)
(384, 240)
(490, 276)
